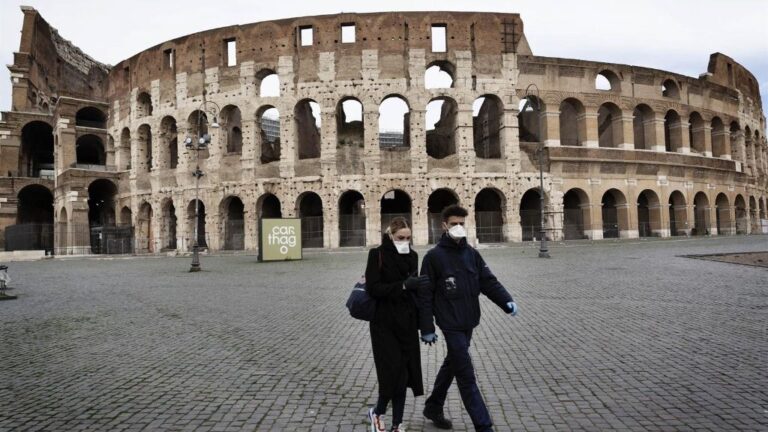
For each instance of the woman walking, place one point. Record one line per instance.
(391, 279)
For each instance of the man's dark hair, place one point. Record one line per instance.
(453, 210)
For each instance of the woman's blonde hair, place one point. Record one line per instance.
(396, 224)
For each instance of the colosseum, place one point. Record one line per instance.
(347, 120)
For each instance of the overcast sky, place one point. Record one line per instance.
(673, 35)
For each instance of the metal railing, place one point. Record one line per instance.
(312, 231)
(351, 230)
(33, 236)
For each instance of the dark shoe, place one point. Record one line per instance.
(438, 419)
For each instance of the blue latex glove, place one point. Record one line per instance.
(512, 308)
(429, 338)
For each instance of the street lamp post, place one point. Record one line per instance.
(202, 142)
(532, 104)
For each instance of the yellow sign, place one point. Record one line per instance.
(280, 239)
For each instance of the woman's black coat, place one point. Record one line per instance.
(394, 328)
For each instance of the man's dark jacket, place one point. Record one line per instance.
(456, 308)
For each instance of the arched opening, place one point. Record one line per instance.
(678, 214)
(168, 226)
(441, 127)
(144, 235)
(648, 214)
(349, 123)
(438, 200)
(126, 216)
(233, 214)
(268, 207)
(753, 215)
(607, 80)
(673, 137)
(199, 227)
(169, 137)
(439, 74)
(351, 219)
(36, 150)
(145, 148)
(395, 203)
(609, 125)
(718, 134)
(576, 212)
(723, 215)
(530, 215)
(310, 211)
(761, 205)
(394, 123)
(696, 133)
(91, 117)
(489, 216)
(670, 89)
(269, 85)
(101, 214)
(528, 119)
(124, 152)
(614, 213)
(34, 221)
(90, 151)
(701, 214)
(197, 127)
(738, 151)
(573, 126)
(268, 118)
(306, 116)
(487, 114)
(741, 215)
(643, 127)
(232, 127)
(143, 105)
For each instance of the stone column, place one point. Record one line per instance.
(464, 142)
(678, 137)
(659, 216)
(549, 124)
(625, 124)
(249, 158)
(595, 229)
(512, 230)
(627, 218)
(329, 138)
(419, 214)
(657, 137)
(588, 128)
(510, 141)
(418, 152)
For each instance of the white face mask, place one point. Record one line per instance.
(457, 232)
(403, 247)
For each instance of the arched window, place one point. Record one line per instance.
(145, 148)
(608, 81)
(573, 129)
(643, 127)
(673, 135)
(349, 123)
(232, 126)
(306, 116)
(36, 156)
(487, 114)
(439, 75)
(90, 150)
(268, 118)
(91, 117)
(670, 89)
(169, 143)
(609, 125)
(441, 126)
(696, 133)
(269, 83)
(143, 105)
(394, 123)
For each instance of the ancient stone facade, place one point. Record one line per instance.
(625, 151)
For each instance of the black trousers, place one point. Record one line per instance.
(458, 364)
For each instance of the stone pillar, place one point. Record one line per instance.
(287, 144)
(723, 150)
(64, 148)
(549, 124)
(595, 229)
(625, 124)
(627, 216)
(588, 128)
(420, 221)
(657, 137)
(372, 223)
(329, 138)
(331, 224)
(464, 141)
(659, 216)
(418, 151)
(512, 230)
(510, 141)
(678, 137)
(707, 130)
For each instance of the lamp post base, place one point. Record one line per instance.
(195, 267)
(543, 249)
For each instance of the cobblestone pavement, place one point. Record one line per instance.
(610, 336)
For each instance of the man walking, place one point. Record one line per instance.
(457, 275)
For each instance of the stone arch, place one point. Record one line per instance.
(232, 128)
(530, 214)
(101, 202)
(701, 214)
(144, 150)
(723, 218)
(717, 137)
(126, 216)
(673, 134)
(529, 119)
(649, 215)
(607, 80)
(232, 217)
(643, 127)
(487, 124)
(268, 82)
(573, 123)
(696, 132)
(36, 155)
(168, 225)
(395, 203)
(306, 116)
(754, 215)
(197, 126)
(90, 150)
(144, 235)
(350, 125)
(440, 127)
(394, 122)
(439, 74)
(124, 151)
(268, 122)
(615, 214)
(309, 208)
(437, 201)
(577, 214)
(678, 214)
(35, 205)
(352, 221)
(490, 207)
(737, 150)
(268, 207)
(610, 126)
(670, 89)
(742, 220)
(169, 139)
(91, 117)
(196, 207)
(143, 105)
